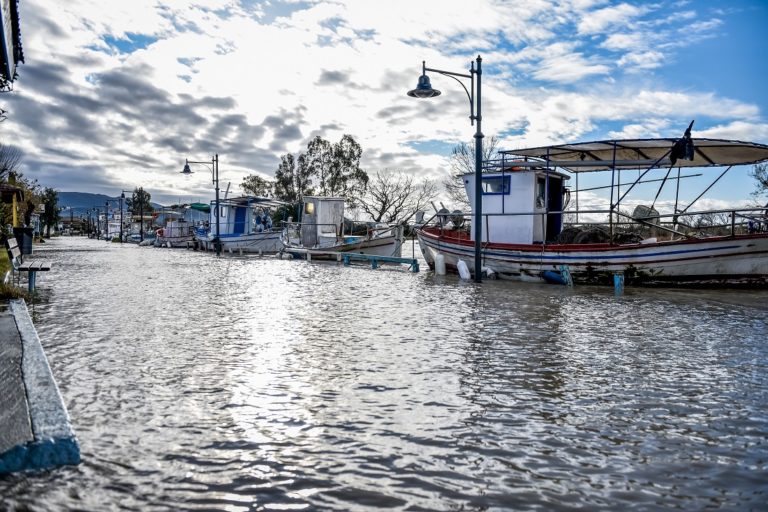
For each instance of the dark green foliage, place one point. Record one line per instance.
(139, 202)
(257, 186)
(50, 216)
(331, 169)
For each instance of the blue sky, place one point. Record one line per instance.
(115, 95)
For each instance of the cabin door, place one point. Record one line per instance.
(239, 226)
(554, 204)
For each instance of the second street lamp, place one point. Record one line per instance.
(424, 90)
(214, 167)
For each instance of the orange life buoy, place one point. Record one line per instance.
(160, 232)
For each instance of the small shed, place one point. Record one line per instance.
(322, 220)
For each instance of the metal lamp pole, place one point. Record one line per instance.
(215, 175)
(424, 90)
(141, 214)
(122, 196)
(106, 220)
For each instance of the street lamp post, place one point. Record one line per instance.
(141, 214)
(106, 221)
(122, 197)
(424, 90)
(215, 175)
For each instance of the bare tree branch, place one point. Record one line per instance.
(463, 162)
(10, 158)
(393, 196)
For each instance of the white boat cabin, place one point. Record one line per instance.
(321, 220)
(239, 216)
(529, 193)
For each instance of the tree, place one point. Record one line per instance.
(760, 173)
(346, 179)
(463, 162)
(31, 191)
(10, 158)
(334, 169)
(140, 202)
(257, 186)
(50, 215)
(319, 161)
(291, 181)
(395, 197)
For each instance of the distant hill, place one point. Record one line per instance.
(81, 202)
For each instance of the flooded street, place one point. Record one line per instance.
(196, 382)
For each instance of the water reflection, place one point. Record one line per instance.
(248, 383)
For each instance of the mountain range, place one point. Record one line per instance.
(81, 203)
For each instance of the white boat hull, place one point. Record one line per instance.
(267, 242)
(174, 241)
(725, 261)
(380, 246)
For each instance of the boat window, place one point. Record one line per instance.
(496, 185)
(541, 188)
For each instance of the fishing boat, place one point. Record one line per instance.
(176, 232)
(323, 233)
(245, 226)
(533, 230)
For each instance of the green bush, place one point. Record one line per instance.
(9, 291)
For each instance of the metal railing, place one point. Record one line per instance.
(739, 221)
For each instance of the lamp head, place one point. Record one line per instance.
(186, 169)
(424, 89)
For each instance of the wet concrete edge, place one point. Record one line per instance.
(54, 440)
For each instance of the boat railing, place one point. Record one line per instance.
(682, 224)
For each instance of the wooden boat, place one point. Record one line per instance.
(245, 226)
(323, 233)
(531, 232)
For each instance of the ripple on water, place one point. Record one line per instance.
(197, 382)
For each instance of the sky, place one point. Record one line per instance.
(114, 95)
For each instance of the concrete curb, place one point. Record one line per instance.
(54, 441)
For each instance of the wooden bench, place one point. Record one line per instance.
(17, 261)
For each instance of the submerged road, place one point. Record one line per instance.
(197, 382)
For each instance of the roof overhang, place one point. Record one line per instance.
(637, 154)
(8, 192)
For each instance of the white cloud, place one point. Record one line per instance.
(609, 18)
(248, 85)
(639, 62)
(737, 130)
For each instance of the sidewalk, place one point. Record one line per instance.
(35, 432)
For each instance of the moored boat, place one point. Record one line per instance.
(323, 233)
(176, 232)
(245, 226)
(530, 233)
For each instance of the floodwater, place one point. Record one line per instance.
(196, 382)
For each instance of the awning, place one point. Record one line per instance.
(636, 154)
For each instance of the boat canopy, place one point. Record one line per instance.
(633, 154)
(202, 207)
(253, 201)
